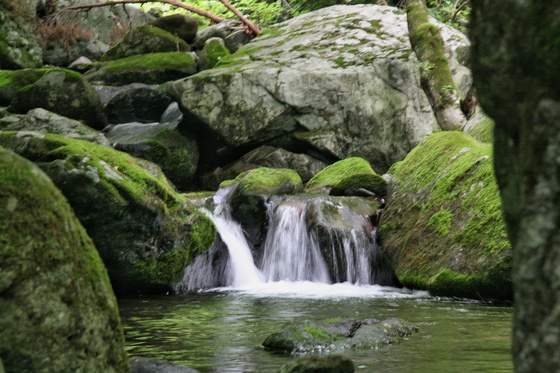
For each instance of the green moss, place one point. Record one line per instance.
(155, 61)
(441, 221)
(447, 214)
(350, 173)
(483, 129)
(264, 180)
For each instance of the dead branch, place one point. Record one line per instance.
(178, 4)
(254, 29)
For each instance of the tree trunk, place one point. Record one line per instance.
(516, 59)
(436, 78)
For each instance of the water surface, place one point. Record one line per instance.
(222, 330)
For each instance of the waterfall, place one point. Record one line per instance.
(317, 240)
(291, 251)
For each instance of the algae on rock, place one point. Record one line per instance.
(57, 309)
(145, 231)
(443, 228)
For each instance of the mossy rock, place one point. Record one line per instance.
(324, 364)
(144, 230)
(346, 177)
(18, 46)
(481, 127)
(267, 181)
(337, 335)
(443, 228)
(153, 68)
(11, 81)
(61, 91)
(214, 50)
(146, 39)
(57, 308)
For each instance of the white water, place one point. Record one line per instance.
(243, 269)
(291, 252)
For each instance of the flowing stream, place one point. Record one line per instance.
(231, 304)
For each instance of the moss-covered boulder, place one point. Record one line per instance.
(347, 177)
(144, 230)
(266, 181)
(443, 228)
(143, 40)
(324, 364)
(42, 120)
(18, 46)
(62, 91)
(213, 51)
(481, 127)
(337, 335)
(153, 68)
(57, 309)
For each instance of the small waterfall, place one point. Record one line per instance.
(291, 251)
(316, 239)
(242, 267)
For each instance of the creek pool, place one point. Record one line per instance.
(222, 330)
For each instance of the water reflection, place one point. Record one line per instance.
(223, 331)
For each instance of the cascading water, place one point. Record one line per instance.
(318, 240)
(291, 251)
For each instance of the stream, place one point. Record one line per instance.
(221, 330)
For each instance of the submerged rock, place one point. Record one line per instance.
(338, 335)
(140, 364)
(144, 230)
(319, 364)
(57, 309)
(443, 228)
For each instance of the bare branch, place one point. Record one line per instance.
(254, 29)
(176, 3)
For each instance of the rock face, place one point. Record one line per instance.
(343, 81)
(145, 232)
(57, 308)
(443, 228)
(18, 47)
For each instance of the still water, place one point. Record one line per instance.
(222, 330)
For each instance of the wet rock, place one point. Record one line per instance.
(319, 364)
(140, 364)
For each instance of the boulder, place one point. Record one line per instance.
(11, 81)
(42, 120)
(137, 103)
(315, 364)
(442, 228)
(343, 81)
(265, 156)
(348, 177)
(231, 31)
(337, 335)
(266, 181)
(179, 25)
(144, 230)
(161, 143)
(139, 364)
(146, 39)
(57, 308)
(153, 68)
(214, 50)
(480, 127)
(87, 34)
(19, 48)
(62, 91)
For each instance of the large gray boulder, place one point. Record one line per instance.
(58, 312)
(342, 80)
